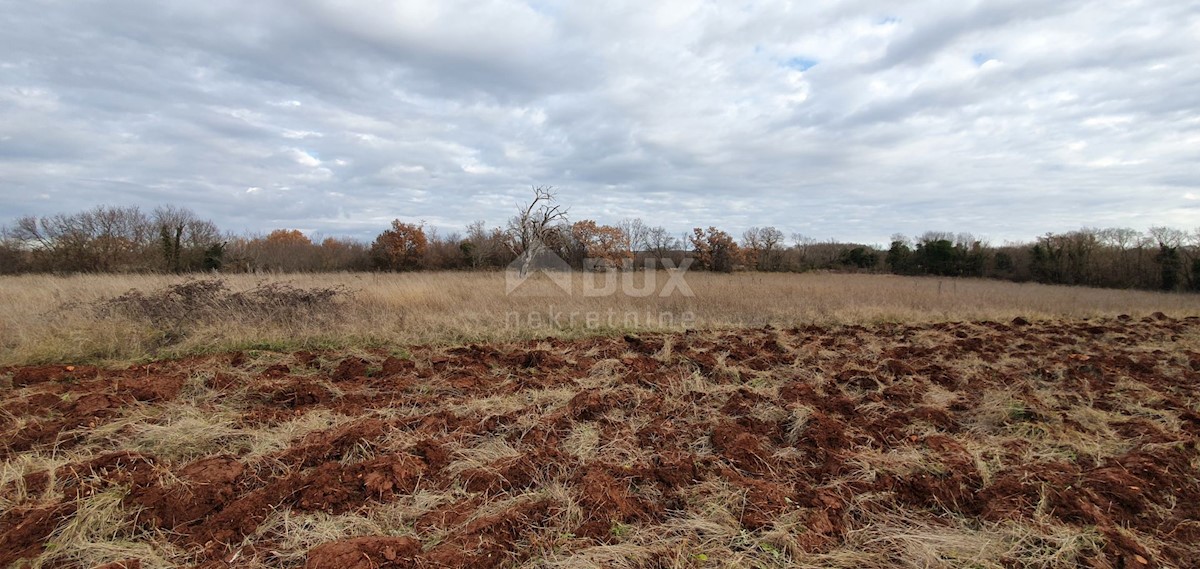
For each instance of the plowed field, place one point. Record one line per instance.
(985, 444)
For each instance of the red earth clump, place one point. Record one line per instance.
(607, 499)
(505, 475)
(153, 388)
(591, 403)
(203, 487)
(332, 487)
(535, 359)
(744, 450)
(434, 453)
(765, 499)
(365, 553)
(825, 440)
(396, 366)
(26, 376)
(307, 360)
(951, 485)
(275, 370)
(351, 368)
(449, 515)
(106, 471)
(86, 410)
(675, 471)
(323, 446)
(301, 393)
(490, 541)
(24, 531)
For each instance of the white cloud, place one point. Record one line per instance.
(1108, 121)
(301, 134)
(304, 158)
(849, 120)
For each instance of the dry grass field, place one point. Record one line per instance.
(406, 421)
(55, 319)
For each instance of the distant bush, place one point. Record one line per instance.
(859, 257)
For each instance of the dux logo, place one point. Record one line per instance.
(537, 259)
(607, 281)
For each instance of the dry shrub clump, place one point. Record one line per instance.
(175, 309)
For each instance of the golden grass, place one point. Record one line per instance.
(296, 533)
(49, 319)
(104, 531)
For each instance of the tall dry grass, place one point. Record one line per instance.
(53, 319)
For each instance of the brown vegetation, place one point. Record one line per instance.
(53, 319)
(401, 248)
(1060, 443)
(716, 250)
(124, 240)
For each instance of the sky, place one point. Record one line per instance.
(847, 120)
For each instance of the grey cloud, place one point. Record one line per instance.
(336, 117)
(932, 29)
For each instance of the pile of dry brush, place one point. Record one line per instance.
(176, 309)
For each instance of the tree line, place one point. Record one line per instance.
(108, 239)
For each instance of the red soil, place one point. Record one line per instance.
(860, 389)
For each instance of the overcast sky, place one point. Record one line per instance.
(850, 120)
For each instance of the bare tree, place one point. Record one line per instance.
(764, 245)
(660, 244)
(183, 237)
(802, 245)
(340, 254)
(483, 247)
(534, 225)
(119, 237)
(935, 236)
(101, 239)
(1122, 238)
(635, 234)
(1121, 243)
(1168, 236)
(1192, 252)
(14, 255)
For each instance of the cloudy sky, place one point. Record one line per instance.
(850, 120)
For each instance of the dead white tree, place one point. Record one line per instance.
(534, 224)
